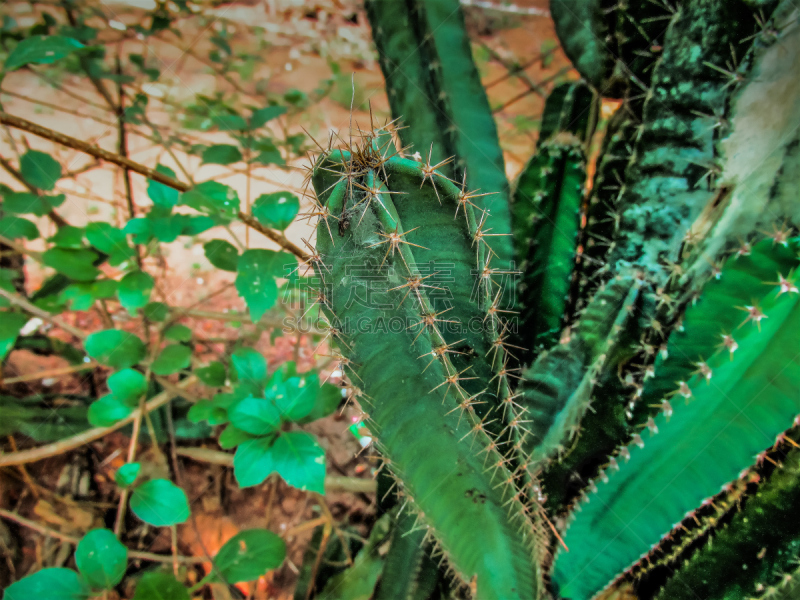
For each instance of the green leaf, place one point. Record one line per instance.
(128, 385)
(17, 227)
(178, 333)
(213, 198)
(115, 348)
(268, 153)
(249, 554)
(134, 290)
(213, 374)
(221, 154)
(255, 281)
(156, 311)
(249, 366)
(204, 410)
(160, 502)
(229, 123)
(40, 50)
(160, 194)
(10, 324)
(298, 397)
(256, 416)
(158, 585)
(260, 117)
(101, 559)
(68, 237)
(328, 399)
(40, 170)
(172, 359)
(276, 210)
(126, 475)
(109, 240)
(232, 436)
(27, 203)
(49, 584)
(222, 254)
(83, 295)
(108, 410)
(75, 264)
(295, 456)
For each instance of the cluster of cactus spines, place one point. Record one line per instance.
(385, 220)
(602, 215)
(432, 81)
(546, 209)
(705, 433)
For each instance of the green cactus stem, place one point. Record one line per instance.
(434, 87)
(546, 208)
(667, 182)
(409, 573)
(750, 554)
(425, 422)
(702, 445)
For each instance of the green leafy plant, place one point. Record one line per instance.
(96, 291)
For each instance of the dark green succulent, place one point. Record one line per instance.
(581, 389)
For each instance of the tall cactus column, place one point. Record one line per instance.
(408, 287)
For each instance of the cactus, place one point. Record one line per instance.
(546, 207)
(654, 365)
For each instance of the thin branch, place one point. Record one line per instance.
(114, 158)
(275, 236)
(333, 483)
(42, 314)
(76, 441)
(135, 554)
(37, 256)
(49, 373)
(96, 151)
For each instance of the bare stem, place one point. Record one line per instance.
(126, 163)
(44, 530)
(76, 441)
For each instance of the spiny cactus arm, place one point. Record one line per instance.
(759, 147)
(409, 573)
(602, 219)
(666, 184)
(554, 196)
(431, 440)
(752, 554)
(411, 86)
(573, 108)
(752, 395)
(583, 31)
(476, 142)
(434, 88)
(556, 391)
(546, 209)
(622, 406)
